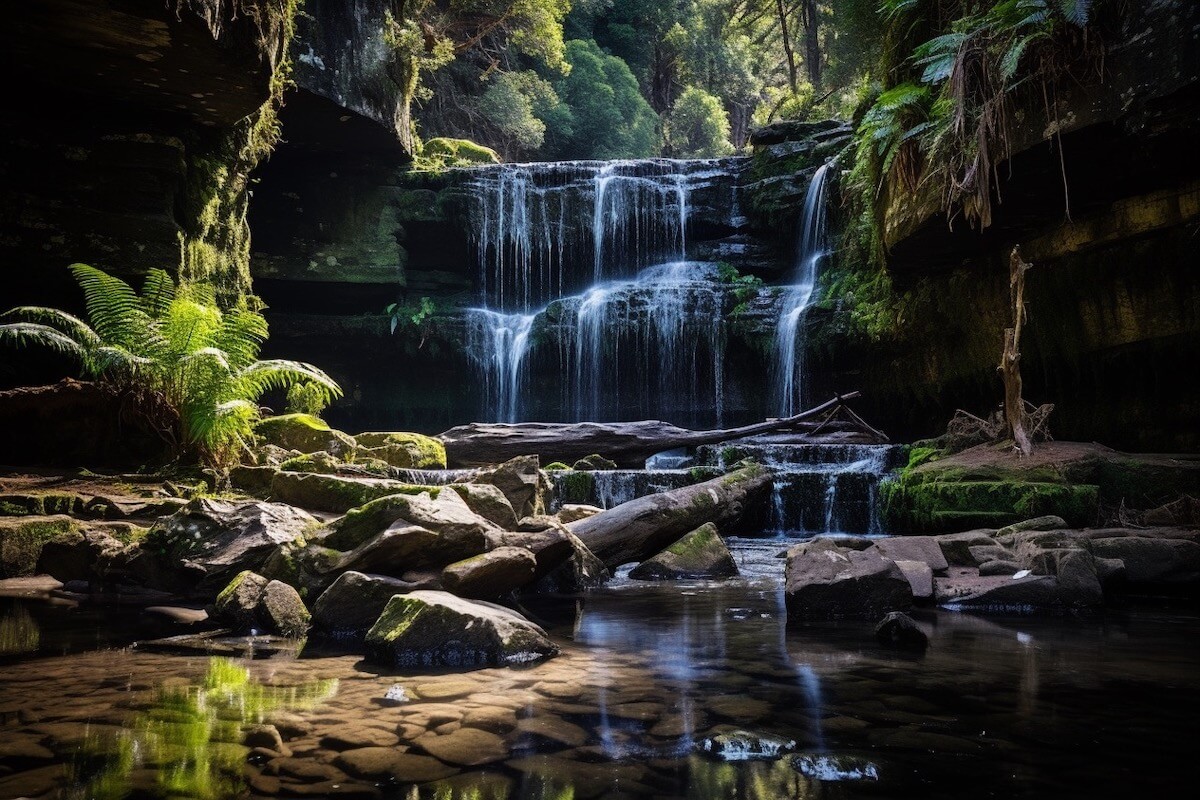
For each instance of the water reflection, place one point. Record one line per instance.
(188, 742)
(19, 632)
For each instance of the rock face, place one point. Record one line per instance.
(216, 539)
(437, 629)
(823, 580)
(252, 603)
(699, 554)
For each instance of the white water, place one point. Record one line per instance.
(497, 344)
(813, 248)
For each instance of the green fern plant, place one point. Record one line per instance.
(193, 368)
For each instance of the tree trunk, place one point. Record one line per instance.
(781, 11)
(629, 444)
(641, 528)
(1010, 360)
(812, 42)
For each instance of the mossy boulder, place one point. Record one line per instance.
(698, 554)
(488, 502)
(492, 574)
(320, 462)
(22, 540)
(404, 450)
(336, 493)
(251, 603)
(459, 152)
(305, 433)
(353, 602)
(442, 512)
(594, 463)
(17, 504)
(436, 629)
(576, 487)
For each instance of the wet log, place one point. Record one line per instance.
(629, 444)
(642, 528)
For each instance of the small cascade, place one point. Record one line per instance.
(609, 488)
(813, 247)
(497, 344)
(544, 231)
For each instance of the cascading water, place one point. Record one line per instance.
(814, 247)
(578, 249)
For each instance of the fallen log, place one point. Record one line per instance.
(629, 444)
(642, 528)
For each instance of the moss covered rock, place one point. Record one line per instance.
(459, 152)
(22, 540)
(488, 502)
(336, 493)
(305, 433)
(437, 629)
(443, 513)
(320, 462)
(698, 554)
(404, 450)
(491, 574)
(251, 603)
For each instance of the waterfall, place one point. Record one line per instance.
(497, 344)
(814, 246)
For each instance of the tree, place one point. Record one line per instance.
(698, 125)
(191, 369)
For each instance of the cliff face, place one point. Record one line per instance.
(131, 136)
(1114, 296)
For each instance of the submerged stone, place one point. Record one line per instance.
(900, 631)
(829, 767)
(438, 629)
(743, 745)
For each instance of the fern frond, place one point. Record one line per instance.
(61, 321)
(263, 376)
(157, 293)
(113, 306)
(25, 334)
(241, 336)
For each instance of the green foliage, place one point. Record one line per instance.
(698, 126)
(744, 287)
(307, 398)
(193, 368)
(612, 119)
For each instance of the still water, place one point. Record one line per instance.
(693, 690)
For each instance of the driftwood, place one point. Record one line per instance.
(1010, 360)
(641, 528)
(629, 444)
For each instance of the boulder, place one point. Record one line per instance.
(519, 480)
(352, 603)
(956, 547)
(698, 554)
(999, 567)
(550, 546)
(252, 603)
(93, 552)
(823, 580)
(900, 631)
(573, 512)
(913, 548)
(255, 481)
(491, 574)
(1078, 580)
(319, 462)
(305, 433)
(336, 493)
(581, 571)
(488, 502)
(919, 577)
(439, 510)
(22, 540)
(1153, 564)
(999, 593)
(438, 629)
(404, 450)
(216, 539)
(398, 549)
(594, 463)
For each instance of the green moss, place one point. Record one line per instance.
(695, 543)
(701, 474)
(404, 450)
(447, 152)
(338, 494)
(320, 462)
(360, 524)
(556, 466)
(21, 542)
(226, 594)
(578, 486)
(917, 503)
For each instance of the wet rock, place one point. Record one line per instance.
(79, 555)
(355, 735)
(554, 729)
(434, 629)
(404, 450)
(352, 603)
(1048, 522)
(336, 493)
(1165, 564)
(698, 554)
(981, 554)
(491, 574)
(467, 747)
(900, 631)
(920, 578)
(823, 580)
(551, 547)
(22, 540)
(520, 480)
(398, 549)
(746, 746)
(488, 502)
(1077, 579)
(183, 616)
(593, 463)
(739, 707)
(913, 548)
(583, 570)
(252, 603)
(264, 736)
(1001, 593)
(305, 433)
(217, 539)
(999, 567)
(572, 512)
(491, 718)
(956, 547)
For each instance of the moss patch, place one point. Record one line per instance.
(577, 486)
(404, 450)
(337, 494)
(21, 542)
(360, 524)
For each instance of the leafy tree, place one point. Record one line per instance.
(612, 119)
(698, 125)
(192, 369)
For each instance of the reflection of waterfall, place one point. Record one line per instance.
(497, 344)
(814, 246)
(811, 683)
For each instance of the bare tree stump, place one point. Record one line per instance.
(1010, 360)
